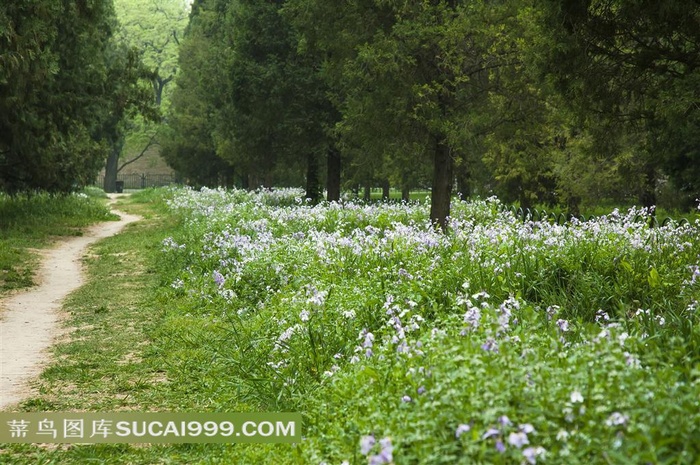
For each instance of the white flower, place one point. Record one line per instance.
(617, 419)
(576, 397)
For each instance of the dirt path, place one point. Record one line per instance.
(29, 321)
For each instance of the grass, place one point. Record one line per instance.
(153, 331)
(30, 222)
(113, 359)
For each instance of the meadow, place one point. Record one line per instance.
(501, 341)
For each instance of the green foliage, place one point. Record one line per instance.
(64, 85)
(189, 146)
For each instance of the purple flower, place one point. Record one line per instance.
(406, 399)
(421, 390)
(461, 429)
(385, 455)
(531, 454)
(504, 420)
(366, 444)
(527, 428)
(563, 325)
(518, 439)
(218, 278)
(500, 447)
(472, 317)
(490, 345)
(490, 433)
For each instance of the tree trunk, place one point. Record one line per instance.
(647, 196)
(368, 193)
(112, 166)
(385, 189)
(406, 194)
(333, 175)
(443, 169)
(313, 186)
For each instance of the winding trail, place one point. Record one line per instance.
(30, 320)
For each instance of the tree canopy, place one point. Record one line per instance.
(537, 101)
(62, 81)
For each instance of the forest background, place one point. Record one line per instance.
(535, 101)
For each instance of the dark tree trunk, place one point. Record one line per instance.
(253, 182)
(313, 186)
(112, 166)
(333, 175)
(647, 196)
(367, 193)
(385, 189)
(442, 185)
(406, 194)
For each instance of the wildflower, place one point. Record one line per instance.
(600, 315)
(317, 298)
(218, 278)
(552, 311)
(500, 447)
(490, 433)
(563, 325)
(531, 453)
(421, 390)
(617, 419)
(504, 420)
(304, 315)
(369, 340)
(490, 345)
(461, 429)
(385, 454)
(349, 314)
(472, 317)
(562, 435)
(366, 444)
(576, 397)
(527, 428)
(518, 439)
(406, 399)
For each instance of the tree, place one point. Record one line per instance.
(55, 92)
(630, 65)
(153, 30)
(407, 78)
(190, 146)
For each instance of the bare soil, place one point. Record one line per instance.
(30, 320)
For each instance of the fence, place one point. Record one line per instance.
(140, 181)
(561, 218)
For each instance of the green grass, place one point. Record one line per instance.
(29, 222)
(140, 344)
(119, 356)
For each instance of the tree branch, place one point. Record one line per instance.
(151, 142)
